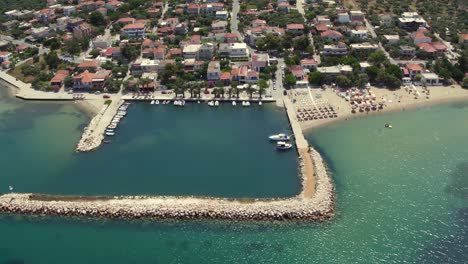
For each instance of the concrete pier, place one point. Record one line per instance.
(93, 134)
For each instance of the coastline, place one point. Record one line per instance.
(345, 114)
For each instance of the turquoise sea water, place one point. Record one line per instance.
(195, 150)
(402, 196)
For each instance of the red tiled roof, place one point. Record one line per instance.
(88, 64)
(225, 76)
(414, 67)
(331, 32)
(134, 26)
(295, 26)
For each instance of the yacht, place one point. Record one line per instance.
(245, 103)
(216, 103)
(110, 133)
(211, 103)
(152, 102)
(156, 102)
(280, 137)
(234, 103)
(281, 145)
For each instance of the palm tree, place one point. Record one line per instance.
(249, 90)
(262, 87)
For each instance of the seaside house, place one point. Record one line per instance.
(223, 14)
(420, 36)
(343, 18)
(218, 26)
(213, 72)
(359, 33)
(295, 28)
(298, 72)
(364, 47)
(191, 51)
(391, 39)
(88, 80)
(238, 51)
(411, 20)
(430, 79)
(309, 64)
(83, 31)
(57, 81)
(136, 30)
(356, 15)
(260, 61)
(4, 56)
(126, 20)
(412, 69)
(258, 23)
(407, 51)
(206, 51)
(331, 35)
(340, 49)
(89, 65)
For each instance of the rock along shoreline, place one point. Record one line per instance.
(320, 207)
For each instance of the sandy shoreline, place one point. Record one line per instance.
(407, 102)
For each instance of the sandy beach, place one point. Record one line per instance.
(399, 100)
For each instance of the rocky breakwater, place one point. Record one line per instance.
(320, 207)
(91, 138)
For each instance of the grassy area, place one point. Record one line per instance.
(17, 73)
(108, 102)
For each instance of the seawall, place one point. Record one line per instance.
(320, 207)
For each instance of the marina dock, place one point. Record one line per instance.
(309, 171)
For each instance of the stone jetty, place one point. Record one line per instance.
(320, 207)
(93, 134)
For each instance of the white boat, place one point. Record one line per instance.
(110, 133)
(152, 102)
(10, 188)
(245, 103)
(260, 103)
(157, 102)
(280, 137)
(110, 130)
(234, 103)
(176, 102)
(182, 103)
(281, 145)
(211, 103)
(198, 102)
(216, 103)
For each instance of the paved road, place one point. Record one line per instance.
(371, 30)
(451, 55)
(300, 8)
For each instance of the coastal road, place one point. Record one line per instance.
(300, 8)
(371, 30)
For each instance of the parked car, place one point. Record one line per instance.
(105, 96)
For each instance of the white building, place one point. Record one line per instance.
(391, 39)
(191, 51)
(238, 51)
(359, 33)
(343, 18)
(68, 10)
(430, 79)
(136, 30)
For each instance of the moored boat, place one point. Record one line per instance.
(211, 103)
(234, 103)
(152, 102)
(260, 103)
(156, 102)
(280, 137)
(110, 133)
(282, 145)
(216, 103)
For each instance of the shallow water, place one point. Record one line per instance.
(401, 197)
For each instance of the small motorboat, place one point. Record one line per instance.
(388, 126)
(152, 102)
(198, 101)
(216, 103)
(107, 141)
(10, 188)
(110, 130)
(281, 145)
(110, 133)
(211, 103)
(260, 103)
(156, 102)
(234, 103)
(245, 103)
(280, 137)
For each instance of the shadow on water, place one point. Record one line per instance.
(459, 181)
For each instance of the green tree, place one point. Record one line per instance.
(97, 19)
(465, 82)
(290, 80)
(263, 85)
(73, 47)
(68, 81)
(52, 60)
(316, 78)
(130, 52)
(395, 71)
(372, 73)
(343, 81)
(378, 58)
